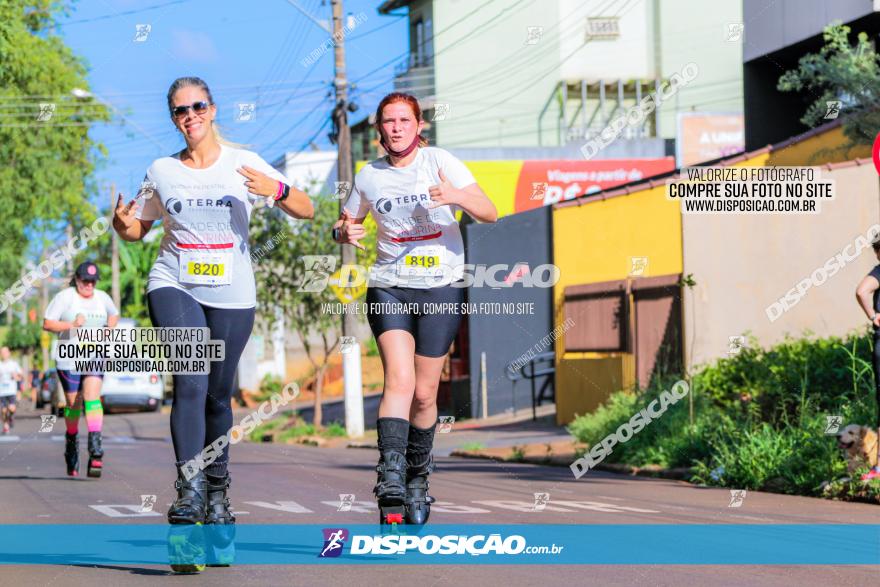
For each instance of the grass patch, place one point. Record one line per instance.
(290, 426)
(517, 455)
(758, 419)
(266, 428)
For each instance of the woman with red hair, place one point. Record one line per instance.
(413, 194)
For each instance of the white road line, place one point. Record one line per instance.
(282, 506)
(358, 506)
(602, 507)
(447, 507)
(755, 518)
(113, 511)
(526, 506)
(368, 507)
(105, 439)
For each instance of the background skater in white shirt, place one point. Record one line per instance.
(10, 375)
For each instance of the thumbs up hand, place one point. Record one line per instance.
(443, 194)
(349, 231)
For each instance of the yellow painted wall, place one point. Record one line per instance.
(594, 243)
(584, 384)
(498, 179)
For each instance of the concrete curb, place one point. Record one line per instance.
(370, 445)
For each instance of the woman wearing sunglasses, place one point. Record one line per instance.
(413, 194)
(82, 305)
(202, 277)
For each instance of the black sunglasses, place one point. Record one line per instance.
(199, 107)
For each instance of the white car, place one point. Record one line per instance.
(132, 391)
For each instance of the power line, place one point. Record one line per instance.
(377, 29)
(289, 130)
(435, 35)
(289, 51)
(160, 94)
(493, 68)
(542, 76)
(283, 104)
(127, 13)
(494, 72)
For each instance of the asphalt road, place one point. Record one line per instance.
(284, 484)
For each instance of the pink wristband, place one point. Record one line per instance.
(280, 191)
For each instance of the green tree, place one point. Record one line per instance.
(281, 270)
(135, 261)
(24, 337)
(44, 143)
(840, 72)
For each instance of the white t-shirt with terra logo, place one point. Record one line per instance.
(205, 214)
(67, 303)
(418, 246)
(8, 370)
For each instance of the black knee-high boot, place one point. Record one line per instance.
(390, 487)
(218, 509)
(420, 464)
(71, 453)
(190, 505)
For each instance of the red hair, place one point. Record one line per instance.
(393, 98)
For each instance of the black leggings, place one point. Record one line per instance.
(202, 410)
(876, 364)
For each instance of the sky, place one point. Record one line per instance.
(254, 52)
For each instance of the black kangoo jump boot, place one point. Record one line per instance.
(189, 507)
(420, 464)
(390, 487)
(220, 521)
(71, 454)
(418, 502)
(218, 510)
(96, 455)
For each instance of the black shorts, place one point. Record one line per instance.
(431, 315)
(71, 381)
(6, 401)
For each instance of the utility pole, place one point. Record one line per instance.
(44, 336)
(354, 410)
(114, 256)
(343, 138)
